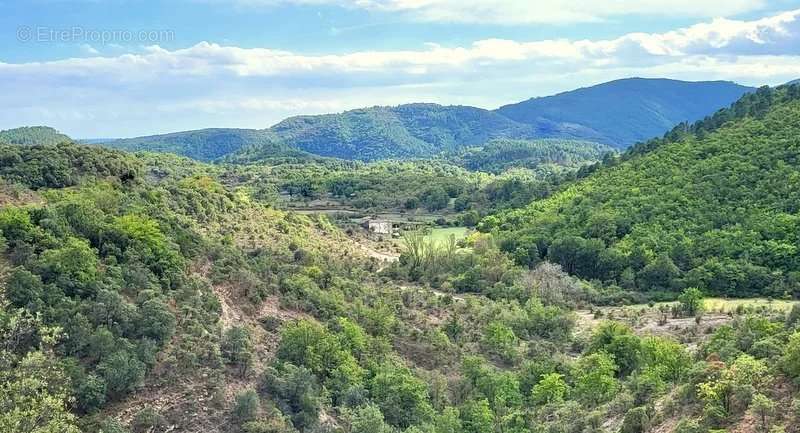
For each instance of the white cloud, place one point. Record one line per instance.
(213, 85)
(88, 49)
(531, 11)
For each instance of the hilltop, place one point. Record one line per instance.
(623, 112)
(28, 135)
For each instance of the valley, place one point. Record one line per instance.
(434, 281)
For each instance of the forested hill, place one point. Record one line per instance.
(714, 206)
(499, 155)
(618, 113)
(623, 112)
(412, 130)
(207, 144)
(29, 135)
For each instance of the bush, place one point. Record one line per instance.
(237, 348)
(246, 406)
(148, 420)
(637, 420)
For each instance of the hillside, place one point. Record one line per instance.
(207, 144)
(712, 206)
(499, 155)
(405, 131)
(619, 113)
(152, 293)
(29, 135)
(623, 112)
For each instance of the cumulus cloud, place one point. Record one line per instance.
(214, 85)
(530, 11)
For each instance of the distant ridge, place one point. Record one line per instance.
(623, 112)
(204, 144)
(31, 135)
(618, 113)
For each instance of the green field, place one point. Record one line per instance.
(440, 235)
(728, 305)
(722, 305)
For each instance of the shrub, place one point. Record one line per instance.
(246, 406)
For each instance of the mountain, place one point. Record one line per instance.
(619, 113)
(623, 112)
(29, 135)
(713, 206)
(206, 144)
(406, 131)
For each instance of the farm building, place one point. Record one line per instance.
(381, 227)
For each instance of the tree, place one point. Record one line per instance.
(435, 199)
(551, 389)
(246, 406)
(156, 321)
(237, 348)
(729, 391)
(148, 420)
(500, 340)
(369, 419)
(659, 274)
(619, 341)
(637, 420)
(401, 396)
(477, 416)
(764, 408)
(34, 397)
(73, 267)
(296, 392)
(790, 363)
(122, 372)
(594, 378)
(449, 421)
(691, 301)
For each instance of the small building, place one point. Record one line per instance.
(381, 227)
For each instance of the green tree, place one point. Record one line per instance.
(659, 274)
(73, 267)
(790, 362)
(369, 419)
(237, 348)
(691, 301)
(477, 416)
(637, 420)
(764, 408)
(402, 398)
(500, 340)
(619, 341)
(594, 378)
(296, 392)
(34, 398)
(122, 371)
(551, 389)
(246, 406)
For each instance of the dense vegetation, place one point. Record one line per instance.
(712, 206)
(153, 293)
(210, 144)
(543, 156)
(619, 113)
(623, 112)
(405, 131)
(32, 135)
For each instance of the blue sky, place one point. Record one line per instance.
(116, 68)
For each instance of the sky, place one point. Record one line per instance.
(122, 68)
